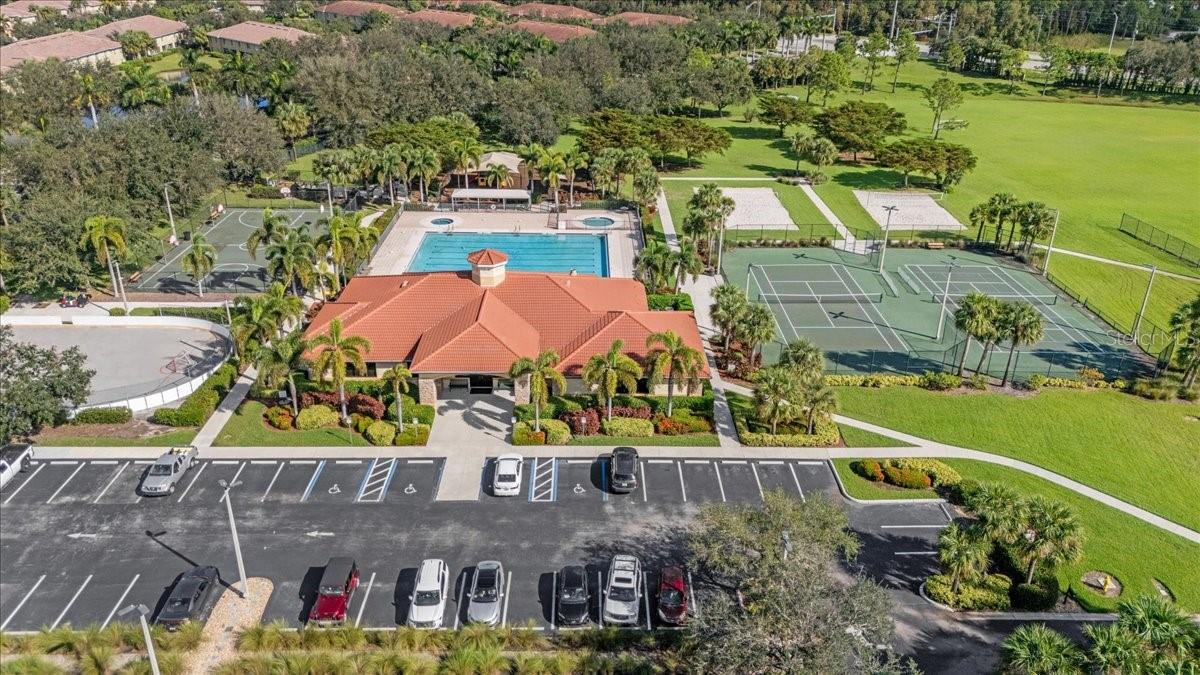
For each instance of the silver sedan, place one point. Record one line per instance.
(487, 593)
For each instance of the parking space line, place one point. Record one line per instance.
(599, 605)
(458, 608)
(646, 598)
(61, 462)
(771, 462)
(758, 482)
(303, 461)
(420, 461)
(70, 602)
(554, 598)
(347, 461)
(604, 480)
(682, 486)
(543, 480)
(366, 595)
(946, 511)
(313, 481)
(235, 476)
(22, 602)
(733, 461)
(642, 468)
(194, 479)
(64, 483)
(692, 590)
(104, 461)
(223, 461)
(578, 461)
(376, 480)
(720, 483)
(263, 461)
(660, 461)
(22, 485)
(270, 485)
(915, 553)
(911, 527)
(507, 588)
(696, 461)
(143, 461)
(809, 462)
(797, 482)
(121, 599)
(110, 482)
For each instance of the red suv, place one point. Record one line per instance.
(334, 592)
(673, 596)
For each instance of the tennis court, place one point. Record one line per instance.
(867, 320)
(235, 271)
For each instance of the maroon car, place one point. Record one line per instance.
(338, 582)
(673, 596)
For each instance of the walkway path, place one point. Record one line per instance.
(229, 405)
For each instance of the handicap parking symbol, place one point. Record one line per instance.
(578, 489)
(410, 490)
(334, 489)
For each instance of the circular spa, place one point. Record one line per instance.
(598, 221)
(441, 221)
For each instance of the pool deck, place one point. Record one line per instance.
(397, 249)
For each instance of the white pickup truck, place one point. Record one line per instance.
(14, 459)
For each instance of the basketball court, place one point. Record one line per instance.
(914, 210)
(235, 271)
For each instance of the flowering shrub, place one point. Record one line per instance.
(316, 417)
(582, 422)
(327, 398)
(869, 469)
(279, 417)
(368, 406)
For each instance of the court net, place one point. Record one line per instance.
(1007, 297)
(817, 299)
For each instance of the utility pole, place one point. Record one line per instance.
(945, 299)
(895, 9)
(171, 217)
(237, 547)
(1137, 323)
(1113, 37)
(1050, 248)
(887, 228)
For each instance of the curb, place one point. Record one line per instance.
(867, 502)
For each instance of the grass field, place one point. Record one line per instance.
(1144, 452)
(172, 63)
(1133, 551)
(246, 428)
(691, 440)
(171, 438)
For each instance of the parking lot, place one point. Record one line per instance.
(78, 542)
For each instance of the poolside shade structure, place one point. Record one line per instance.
(503, 199)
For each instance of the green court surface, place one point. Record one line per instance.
(867, 321)
(235, 271)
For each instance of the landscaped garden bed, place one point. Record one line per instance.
(793, 434)
(635, 420)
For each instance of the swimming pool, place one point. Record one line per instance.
(584, 253)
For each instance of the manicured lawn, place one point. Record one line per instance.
(861, 438)
(861, 488)
(246, 428)
(171, 438)
(303, 165)
(1144, 452)
(172, 62)
(692, 440)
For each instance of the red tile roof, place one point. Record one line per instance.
(549, 11)
(487, 256)
(443, 322)
(555, 32)
(466, 4)
(156, 26)
(23, 9)
(358, 8)
(646, 19)
(440, 16)
(256, 33)
(66, 46)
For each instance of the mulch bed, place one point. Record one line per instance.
(134, 429)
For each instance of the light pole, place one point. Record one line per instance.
(170, 217)
(945, 299)
(1050, 248)
(1137, 324)
(142, 612)
(237, 547)
(1113, 37)
(887, 228)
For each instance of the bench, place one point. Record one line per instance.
(934, 245)
(133, 278)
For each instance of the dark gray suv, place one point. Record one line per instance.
(622, 470)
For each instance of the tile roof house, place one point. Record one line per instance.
(248, 37)
(21, 11)
(546, 10)
(646, 19)
(164, 32)
(68, 47)
(452, 327)
(470, 4)
(440, 17)
(555, 32)
(354, 11)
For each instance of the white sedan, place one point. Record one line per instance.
(506, 475)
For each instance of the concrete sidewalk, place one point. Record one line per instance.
(225, 410)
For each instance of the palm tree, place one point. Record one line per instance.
(1052, 533)
(283, 359)
(962, 553)
(1037, 650)
(803, 356)
(728, 308)
(551, 165)
(199, 72)
(424, 164)
(757, 327)
(605, 171)
(605, 372)
(287, 309)
(294, 121)
(333, 167)
(1035, 220)
(1000, 512)
(688, 262)
(1001, 207)
(91, 93)
(777, 396)
(292, 259)
(1114, 650)
(975, 317)
(139, 86)
(655, 266)
(466, 153)
(1022, 325)
(389, 166)
(530, 154)
(674, 359)
(1185, 329)
(818, 398)
(544, 379)
(334, 351)
(397, 378)
(254, 323)
(363, 160)
(240, 74)
(340, 240)
(496, 175)
(1159, 623)
(199, 261)
(103, 233)
(574, 159)
(270, 231)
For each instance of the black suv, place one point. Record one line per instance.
(622, 470)
(572, 596)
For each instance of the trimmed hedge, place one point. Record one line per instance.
(683, 422)
(870, 469)
(875, 380)
(660, 302)
(556, 406)
(424, 414)
(365, 405)
(381, 433)
(991, 592)
(213, 314)
(557, 433)
(109, 415)
(523, 434)
(825, 434)
(316, 417)
(940, 474)
(279, 417)
(630, 427)
(912, 479)
(1039, 596)
(936, 381)
(413, 434)
(201, 403)
(583, 422)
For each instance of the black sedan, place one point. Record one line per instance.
(572, 596)
(192, 599)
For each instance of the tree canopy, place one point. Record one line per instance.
(40, 385)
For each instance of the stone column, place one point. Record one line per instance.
(427, 386)
(521, 390)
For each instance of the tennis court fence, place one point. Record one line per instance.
(1159, 239)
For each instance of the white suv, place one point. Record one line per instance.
(623, 594)
(427, 604)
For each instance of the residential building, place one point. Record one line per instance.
(248, 37)
(467, 328)
(646, 19)
(440, 17)
(68, 46)
(555, 32)
(22, 11)
(354, 11)
(545, 10)
(165, 32)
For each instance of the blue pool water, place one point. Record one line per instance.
(584, 253)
